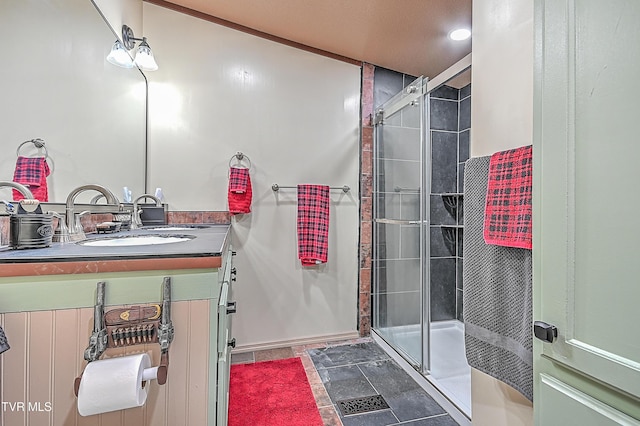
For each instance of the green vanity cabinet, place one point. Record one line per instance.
(30, 303)
(225, 309)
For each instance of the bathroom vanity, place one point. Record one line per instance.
(46, 309)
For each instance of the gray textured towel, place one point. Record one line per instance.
(4, 345)
(497, 306)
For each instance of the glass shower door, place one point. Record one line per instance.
(400, 226)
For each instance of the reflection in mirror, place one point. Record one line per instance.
(57, 85)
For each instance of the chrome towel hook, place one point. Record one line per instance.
(239, 157)
(39, 143)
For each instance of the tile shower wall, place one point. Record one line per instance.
(450, 116)
(450, 119)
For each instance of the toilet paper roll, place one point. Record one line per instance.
(114, 384)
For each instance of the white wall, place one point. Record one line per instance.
(119, 12)
(502, 75)
(501, 118)
(295, 114)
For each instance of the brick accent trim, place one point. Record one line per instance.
(366, 201)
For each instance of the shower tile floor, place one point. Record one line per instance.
(358, 368)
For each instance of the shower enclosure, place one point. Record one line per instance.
(420, 145)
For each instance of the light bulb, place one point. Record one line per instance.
(119, 56)
(145, 59)
(460, 34)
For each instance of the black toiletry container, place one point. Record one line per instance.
(30, 230)
(153, 216)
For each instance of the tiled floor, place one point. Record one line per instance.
(357, 368)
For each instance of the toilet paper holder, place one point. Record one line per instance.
(131, 326)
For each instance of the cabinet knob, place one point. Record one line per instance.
(231, 307)
(232, 343)
(544, 331)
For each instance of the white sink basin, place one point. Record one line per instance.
(170, 228)
(174, 227)
(136, 240)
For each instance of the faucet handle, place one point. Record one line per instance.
(9, 207)
(79, 228)
(136, 221)
(61, 234)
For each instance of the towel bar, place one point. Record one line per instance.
(275, 187)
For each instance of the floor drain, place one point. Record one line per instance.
(362, 405)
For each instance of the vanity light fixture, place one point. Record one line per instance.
(460, 34)
(144, 56)
(119, 56)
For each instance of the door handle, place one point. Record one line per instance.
(544, 331)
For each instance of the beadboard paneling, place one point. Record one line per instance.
(46, 356)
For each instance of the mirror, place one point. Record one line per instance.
(57, 85)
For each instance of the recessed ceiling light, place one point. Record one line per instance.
(460, 34)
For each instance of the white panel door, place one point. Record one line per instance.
(586, 153)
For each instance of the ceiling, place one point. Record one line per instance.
(409, 36)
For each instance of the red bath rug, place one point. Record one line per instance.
(271, 393)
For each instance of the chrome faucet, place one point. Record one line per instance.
(77, 233)
(136, 222)
(26, 192)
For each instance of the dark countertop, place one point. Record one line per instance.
(209, 241)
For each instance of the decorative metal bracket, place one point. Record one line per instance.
(99, 337)
(131, 326)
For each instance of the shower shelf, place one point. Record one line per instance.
(451, 202)
(450, 238)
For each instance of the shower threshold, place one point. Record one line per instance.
(450, 375)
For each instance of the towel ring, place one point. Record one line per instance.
(239, 157)
(39, 143)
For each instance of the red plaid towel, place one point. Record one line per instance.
(240, 202)
(313, 224)
(32, 172)
(238, 178)
(507, 216)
